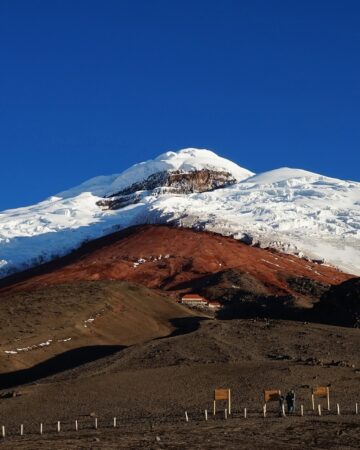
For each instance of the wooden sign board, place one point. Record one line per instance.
(271, 395)
(221, 394)
(320, 391)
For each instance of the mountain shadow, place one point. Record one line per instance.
(59, 363)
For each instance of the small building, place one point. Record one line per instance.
(194, 300)
(214, 305)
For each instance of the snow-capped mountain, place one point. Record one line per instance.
(292, 210)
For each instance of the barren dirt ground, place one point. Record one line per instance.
(149, 386)
(329, 432)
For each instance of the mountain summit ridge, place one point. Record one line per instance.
(184, 160)
(291, 210)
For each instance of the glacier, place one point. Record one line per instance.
(291, 210)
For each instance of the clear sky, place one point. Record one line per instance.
(90, 87)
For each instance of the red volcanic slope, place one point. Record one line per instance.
(164, 257)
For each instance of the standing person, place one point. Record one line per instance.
(293, 400)
(290, 401)
(281, 405)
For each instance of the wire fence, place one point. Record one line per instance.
(94, 422)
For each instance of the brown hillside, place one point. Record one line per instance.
(172, 258)
(93, 318)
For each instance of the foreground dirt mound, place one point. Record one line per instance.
(39, 324)
(178, 260)
(242, 342)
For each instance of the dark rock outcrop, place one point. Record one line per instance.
(340, 305)
(175, 182)
(307, 286)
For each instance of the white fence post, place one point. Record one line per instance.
(3, 433)
(58, 427)
(264, 410)
(41, 428)
(301, 410)
(319, 409)
(186, 416)
(21, 430)
(338, 409)
(114, 422)
(245, 413)
(356, 408)
(96, 423)
(206, 414)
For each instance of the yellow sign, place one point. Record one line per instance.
(221, 394)
(271, 395)
(320, 391)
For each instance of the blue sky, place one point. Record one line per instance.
(91, 87)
